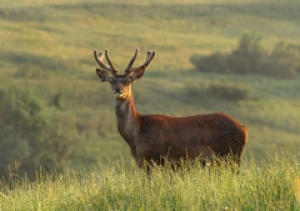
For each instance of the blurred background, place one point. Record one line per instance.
(241, 57)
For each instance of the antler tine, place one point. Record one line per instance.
(115, 71)
(98, 58)
(127, 70)
(150, 56)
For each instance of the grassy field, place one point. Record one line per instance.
(272, 186)
(47, 46)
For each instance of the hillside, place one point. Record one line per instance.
(47, 47)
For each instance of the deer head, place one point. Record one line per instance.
(121, 84)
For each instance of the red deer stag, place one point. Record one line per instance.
(154, 138)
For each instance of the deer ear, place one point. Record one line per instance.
(103, 75)
(137, 74)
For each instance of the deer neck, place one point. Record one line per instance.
(127, 119)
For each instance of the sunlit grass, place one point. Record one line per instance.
(271, 185)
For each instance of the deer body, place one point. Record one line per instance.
(154, 138)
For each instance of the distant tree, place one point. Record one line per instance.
(250, 58)
(28, 139)
(246, 58)
(215, 63)
(283, 62)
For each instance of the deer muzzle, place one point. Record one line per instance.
(118, 93)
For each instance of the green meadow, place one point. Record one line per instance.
(272, 186)
(46, 47)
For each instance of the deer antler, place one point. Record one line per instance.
(150, 56)
(127, 70)
(99, 59)
(110, 63)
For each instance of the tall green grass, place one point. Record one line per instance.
(272, 185)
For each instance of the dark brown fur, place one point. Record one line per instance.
(154, 138)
